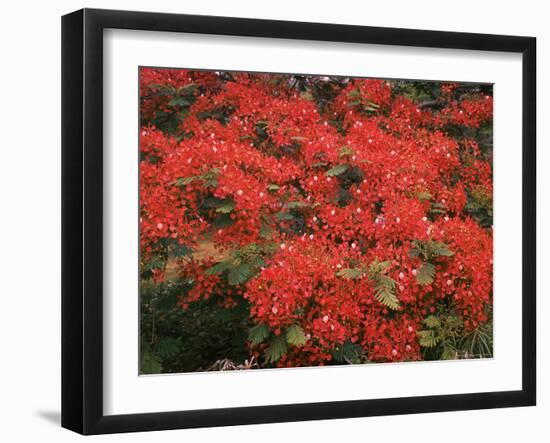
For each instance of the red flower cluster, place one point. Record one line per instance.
(348, 222)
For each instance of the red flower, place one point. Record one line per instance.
(297, 194)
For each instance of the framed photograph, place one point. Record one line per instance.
(269, 221)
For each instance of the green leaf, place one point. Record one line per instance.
(350, 273)
(203, 115)
(424, 196)
(226, 207)
(419, 249)
(211, 183)
(370, 108)
(427, 338)
(345, 151)
(179, 101)
(425, 274)
(222, 205)
(273, 187)
(384, 286)
(439, 248)
(479, 342)
(276, 350)
(214, 171)
(258, 334)
(432, 321)
(430, 249)
(384, 292)
(165, 88)
(213, 202)
(449, 354)
(295, 335)
(373, 105)
(239, 274)
(257, 261)
(318, 165)
(336, 170)
(348, 353)
(218, 268)
(184, 180)
(187, 87)
(376, 267)
(297, 204)
(285, 216)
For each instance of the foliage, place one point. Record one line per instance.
(445, 337)
(291, 220)
(277, 348)
(179, 340)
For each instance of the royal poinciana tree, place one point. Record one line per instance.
(345, 220)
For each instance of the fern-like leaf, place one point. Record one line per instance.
(185, 180)
(425, 274)
(377, 267)
(384, 292)
(295, 336)
(258, 334)
(350, 273)
(432, 321)
(345, 151)
(336, 170)
(296, 204)
(276, 349)
(239, 274)
(218, 268)
(285, 216)
(479, 342)
(348, 353)
(427, 338)
(423, 196)
(449, 353)
(439, 248)
(226, 207)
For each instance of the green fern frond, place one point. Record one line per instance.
(425, 274)
(295, 335)
(276, 349)
(336, 170)
(427, 338)
(432, 321)
(258, 334)
(350, 273)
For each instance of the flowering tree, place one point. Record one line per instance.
(330, 220)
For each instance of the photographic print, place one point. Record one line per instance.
(291, 220)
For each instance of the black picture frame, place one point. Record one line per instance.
(82, 218)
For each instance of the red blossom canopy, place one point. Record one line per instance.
(348, 220)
